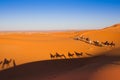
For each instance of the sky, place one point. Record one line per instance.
(18, 15)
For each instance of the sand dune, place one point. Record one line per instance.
(31, 51)
(27, 47)
(113, 28)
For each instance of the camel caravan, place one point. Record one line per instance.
(96, 43)
(70, 55)
(57, 55)
(6, 63)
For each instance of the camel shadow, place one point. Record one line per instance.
(59, 66)
(78, 54)
(70, 55)
(57, 56)
(6, 63)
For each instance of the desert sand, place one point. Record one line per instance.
(100, 67)
(26, 47)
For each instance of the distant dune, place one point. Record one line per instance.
(115, 28)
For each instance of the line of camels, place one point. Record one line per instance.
(96, 43)
(70, 55)
(6, 63)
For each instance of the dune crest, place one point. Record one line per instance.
(115, 28)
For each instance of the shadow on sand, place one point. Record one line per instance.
(50, 69)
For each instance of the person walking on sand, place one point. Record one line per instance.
(14, 64)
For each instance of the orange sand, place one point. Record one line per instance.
(28, 47)
(109, 72)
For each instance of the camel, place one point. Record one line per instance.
(97, 43)
(78, 54)
(112, 44)
(106, 43)
(70, 55)
(87, 39)
(6, 62)
(76, 38)
(90, 42)
(52, 56)
(60, 56)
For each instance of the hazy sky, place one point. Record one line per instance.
(58, 14)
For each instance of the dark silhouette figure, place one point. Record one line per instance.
(78, 54)
(87, 39)
(106, 43)
(109, 44)
(60, 56)
(77, 38)
(14, 63)
(6, 62)
(52, 56)
(70, 55)
(97, 43)
(112, 44)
